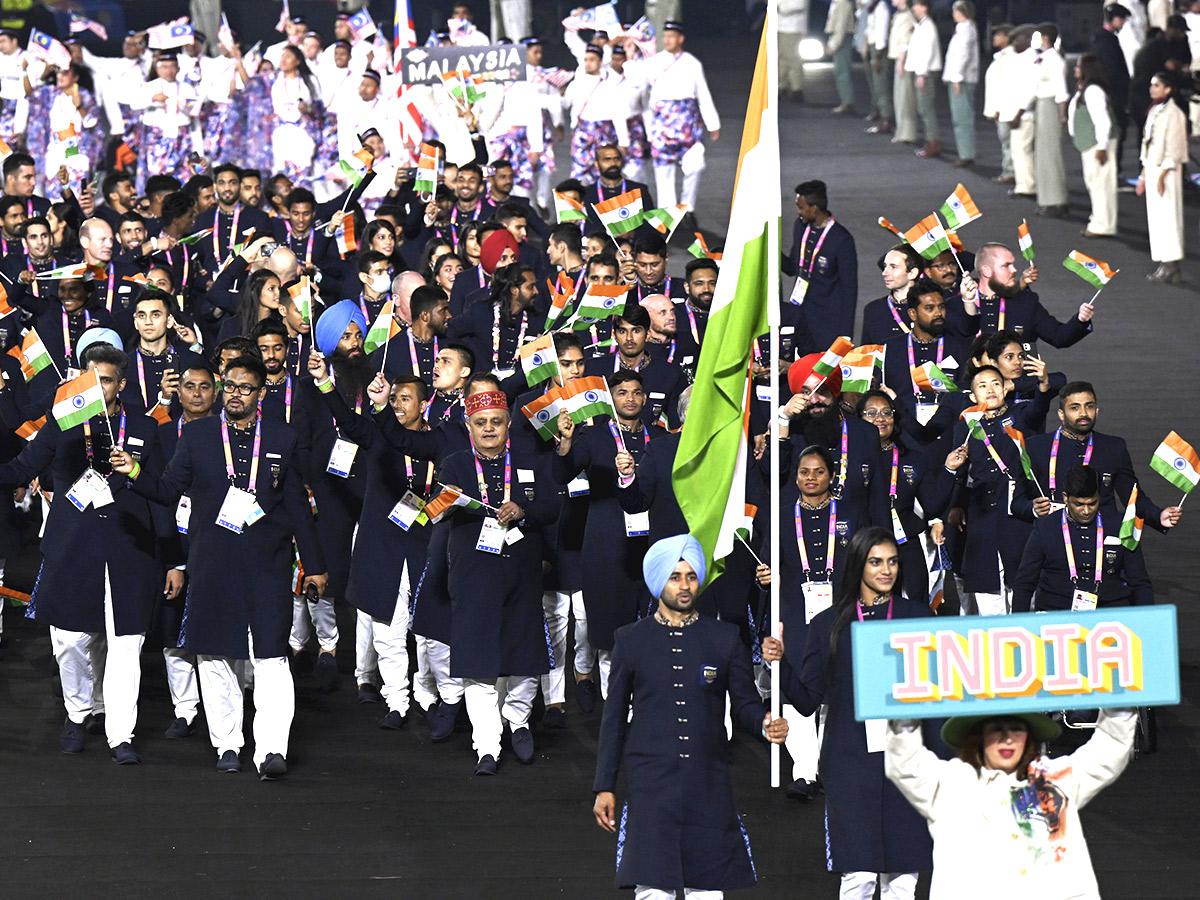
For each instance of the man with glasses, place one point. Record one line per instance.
(248, 503)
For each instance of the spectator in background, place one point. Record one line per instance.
(997, 98)
(961, 74)
(903, 91)
(923, 59)
(793, 26)
(1106, 45)
(1092, 123)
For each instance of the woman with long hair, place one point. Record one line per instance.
(871, 833)
(431, 251)
(446, 268)
(64, 220)
(64, 115)
(1092, 125)
(1164, 154)
(297, 118)
(1003, 809)
(380, 235)
(260, 300)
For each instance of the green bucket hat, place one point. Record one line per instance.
(1041, 726)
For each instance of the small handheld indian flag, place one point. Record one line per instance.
(586, 397)
(355, 167)
(699, 249)
(600, 301)
(538, 359)
(29, 430)
(32, 355)
(1176, 461)
(196, 237)
(568, 209)
(5, 307)
(860, 366)
(447, 500)
(928, 237)
(347, 242)
(886, 225)
(429, 170)
(831, 360)
(74, 270)
(301, 294)
(561, 293)
(1093, 271)
(542, 413)
(464, 87)
(929, 377)
(1026, 462)
(1025, 241)
(622, 213)
(667, 220)
(959, 209)
(382, 330)
(78, 400)
(1131, 525)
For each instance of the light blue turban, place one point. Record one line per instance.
(97, 336)
(662, 558)
(333, 324)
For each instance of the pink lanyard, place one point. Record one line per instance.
(617, 436)
(687, 307)
(895, 468)
(142, 377)
(87, 438)
(1087, 455)
(837, 491)
(496, 336)
(600, 190)
(287, 399)
(912, 359)
(362, 304)
(483, 491)
(237, 212)
(666, 292)
(408, 468)
(187, 264)
(987, 442)
(87, 321)
(111, 281)
(229, 470)
(308, 247)
(860, 610)
(1098, 568)
(412, 353)
(830, 547)
(896, 315)
(816, 249)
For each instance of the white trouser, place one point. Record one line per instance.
(433, 680)
(894, 886)
(664, 183)
(984, 603)
(309, 614)
(1101, 183)
(483, 709)
(79, 657)
(516, 694)
(366, 660)
(543, 188)
(802, 743)
(1021, 143)
(1164, 214)
(181, 680)
(643, 892)
(391, 648)
(514, 15)
(274, 703)
(634, 169)
(604, 664)
(558, 605)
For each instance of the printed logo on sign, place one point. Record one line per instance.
(77, 401)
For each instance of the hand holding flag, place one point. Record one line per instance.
(1176, 461)
(1025, 241)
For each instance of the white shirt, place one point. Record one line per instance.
(681, 78)
(962, 55)
(1000, 101)
(1096, 103)
(286, 96)
(1051, 73)
(521, 107)
(221, 79)
(879, 20)
(793, 16)
(597, 98)
(631, 85)
(924, 51)
(173, 114)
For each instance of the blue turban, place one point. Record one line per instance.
(334, 322)
(97, 336)
(662, 558)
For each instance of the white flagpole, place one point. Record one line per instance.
(771, 28)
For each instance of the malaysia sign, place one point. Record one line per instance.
(1033, 662)
(493, 62)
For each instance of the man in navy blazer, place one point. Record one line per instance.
(825, 263)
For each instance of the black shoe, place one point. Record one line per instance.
(487, 766)
(274, 766)
(301, 663)
(124, 755)
(180, 728)
(393, 721)
(804, 791)
(368, 693)
(326, 672)
(95, 724)
(229, 762)
(71, 739)
(522, 745)
(1053, 212)
(554, 717)
(586, 694)
(443, 721)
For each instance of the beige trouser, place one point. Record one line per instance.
(1021, 141)
(1101, 183)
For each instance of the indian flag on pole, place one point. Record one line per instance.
(382, 330)
(928, 237)
(355, 167)
(448, 500)
(1025, 241)
(600, 301)
(561, 293)
(959, 209)
(538, 360)
(429, 168)
(1019, 440)
(1176, 461)
(74, 270)
(587, 397)
(699, 249)
(1131, 525)
(621, 213)
(196, 236)
(568, 209)
(667, 220)
(929, 377)
(347, 243)
(831, 359)
(1094, 272)
(32, 355)
(860, 366)
(301, 295)
(711, 463)
(78, 400)
(542, 413)
(886, 225)
(29, 429)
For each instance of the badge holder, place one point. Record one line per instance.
(1083, 601)
(405, 512)
(818, 597)
(637, 524)
(491, 537)
(183, 514)
(341, 457)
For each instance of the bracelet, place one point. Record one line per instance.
(137, 470)
(325, 386)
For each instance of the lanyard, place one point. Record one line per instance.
(33, 285)
(142, 376)
(237, 213)
(617, 436)
(816, 249)
(619, 362)
(308, 247)
(987, 442)
(687, 307)
(300, 354)
(254, 454)
(408, 468)
(895, 469)
(187, 263)
(87, 321)
(496, 335)
(1087, 455)
(483, 491)
(860, 610)
(112, 278)
(1098, 569)
(829, 547)
(87, 438)
(287, 399)
(600, 190)
(412, 352)
(896, 315)
(666, 292)
(843, 466)
(362, 304)
(912, 359)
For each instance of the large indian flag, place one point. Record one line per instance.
(710, 465)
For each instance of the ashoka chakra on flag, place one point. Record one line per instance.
(1180, 463)
(78, 401)
(591, 396)
(937, 383)
(542, 415)
(623, 212)
(846, 370)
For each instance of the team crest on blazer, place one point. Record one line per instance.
(909, 473)
(276, 472)
(1110, 557)
(710, 674)
(1106, 480)
(866, 473)
(529, 493)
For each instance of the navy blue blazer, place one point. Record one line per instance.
(1025, 315)
(832, 298)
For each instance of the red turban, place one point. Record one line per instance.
(800, 370)
(493, 246)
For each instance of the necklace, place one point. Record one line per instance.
(804, 504)
(690, 619)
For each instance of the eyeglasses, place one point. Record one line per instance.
(241, 390)
(878, 414)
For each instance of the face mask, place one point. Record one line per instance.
(381, 284)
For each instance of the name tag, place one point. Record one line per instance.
(579, 486)
(82, 491)
(341, 457)
(101, 494)
(183, 514)
(898, 528)
(491, 537)
(763, 392)
(238, 510)
(799, 291)
(406, 511)
(925, 412)
(818, 596)
(525, 476)
(637, 524)
(512, 535)
(1083, 600)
